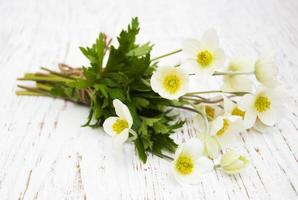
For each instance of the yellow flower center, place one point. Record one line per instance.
(120, 125)
(204, 58)
(238, 112)
(184, 164)
(210, 111)
(224, 128)
(262, 104)
(171, 83)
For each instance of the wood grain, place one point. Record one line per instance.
(45, 154)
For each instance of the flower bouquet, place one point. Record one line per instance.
(132, 98)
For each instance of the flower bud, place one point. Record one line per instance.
(232, 162)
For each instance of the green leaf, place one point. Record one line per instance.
(141, 50)
(96, 53)
(117, 93)
(127, 38)
(140, 150)
(103, 89)
(160, 128)
(140, 102)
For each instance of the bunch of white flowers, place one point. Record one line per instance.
(248, 96)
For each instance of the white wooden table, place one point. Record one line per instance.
(45, 154)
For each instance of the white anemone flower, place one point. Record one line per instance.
(170, 82)
(266, 71)
(239, 83)
(118, 127)
(224, 129)
(203, 56)
(208, 110)
(233, 109)
(266, 105)
(189, 163)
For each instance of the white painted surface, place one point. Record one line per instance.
(45, 154)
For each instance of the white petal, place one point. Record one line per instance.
(194, 147)
(204, 165)
(238, 83)
(108, 125)
(122, 111)
(120, 138)
(155, 81)
(208, 71)
(216, 125)
(190, 47)
(249, 118)
(247, 102)
(192, 178)
(261, 127)
(212, 149)
(267, 71)
(227, 140)
(191, 66)
(241, 64)
(219, 58)
(210, 39)
(229, 105)
(269, 117)
(199, 123)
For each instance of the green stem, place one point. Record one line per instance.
(233, 73)
(46, 78)
(161, 155)
(201, 100)
(165, 55)
(217, 91)
(205, 92)
(28, 93)
(43, 86)
(217, 166)
(57, 73)
(35, 90)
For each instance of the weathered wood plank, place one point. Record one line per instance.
(45, 154)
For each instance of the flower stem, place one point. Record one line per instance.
(217, 166)
(196, 111)
(233, 73)
(161, 155)
(32, 91)
(217, 91)
(200, 100)
(167, 54)
(57, 73)
(44, 77)
(28, 93)
(43, 86)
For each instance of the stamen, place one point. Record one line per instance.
(204, 58)
(224, 128)
(184, 164)
(120, 125)
(210, 111)
(238, 112)
(171, 83)
(262, 104)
